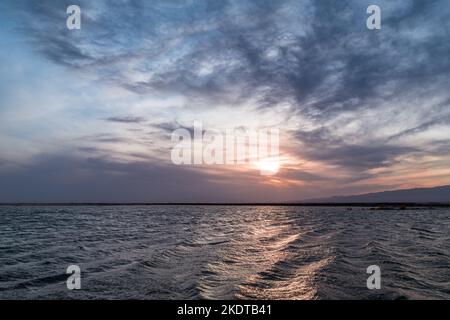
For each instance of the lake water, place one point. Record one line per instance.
(223, 252)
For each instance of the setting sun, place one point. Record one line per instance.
(269, 166)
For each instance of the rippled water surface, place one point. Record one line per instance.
(223, 252)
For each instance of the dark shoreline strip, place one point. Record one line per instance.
(381, 205)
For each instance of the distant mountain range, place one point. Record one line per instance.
(419, 195)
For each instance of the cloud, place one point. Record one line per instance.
(353, 99)
(127, 119)
(56, 178)
(317, 55)
(321, 145)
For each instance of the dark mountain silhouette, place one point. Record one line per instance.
(419, 195)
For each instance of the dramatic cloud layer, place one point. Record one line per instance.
(360, 110)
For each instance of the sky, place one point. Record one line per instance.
(87, 115)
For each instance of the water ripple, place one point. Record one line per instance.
(223, 252)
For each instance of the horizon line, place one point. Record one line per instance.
(299, 204)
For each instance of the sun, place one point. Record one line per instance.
(269, 166)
